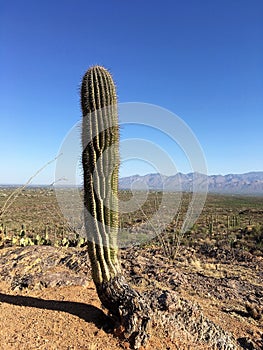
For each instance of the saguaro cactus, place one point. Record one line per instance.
(100, 159)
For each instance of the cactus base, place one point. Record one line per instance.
(128, 308)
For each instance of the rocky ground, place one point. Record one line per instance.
(48, 300)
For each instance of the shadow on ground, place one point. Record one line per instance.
(87, 312)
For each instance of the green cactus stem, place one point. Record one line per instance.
(100, 159)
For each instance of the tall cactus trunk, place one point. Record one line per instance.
(100, 159)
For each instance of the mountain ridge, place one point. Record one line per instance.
(246, 183)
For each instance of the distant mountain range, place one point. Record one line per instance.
(249, 183)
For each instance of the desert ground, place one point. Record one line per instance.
(48, 299)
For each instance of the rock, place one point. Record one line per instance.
(37, 267)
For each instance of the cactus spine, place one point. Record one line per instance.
(100, 159)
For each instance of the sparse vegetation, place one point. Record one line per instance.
(35, 218)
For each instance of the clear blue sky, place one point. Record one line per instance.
(200, 59)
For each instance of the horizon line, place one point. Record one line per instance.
(52, 185)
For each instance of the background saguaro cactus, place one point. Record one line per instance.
(100, 159)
